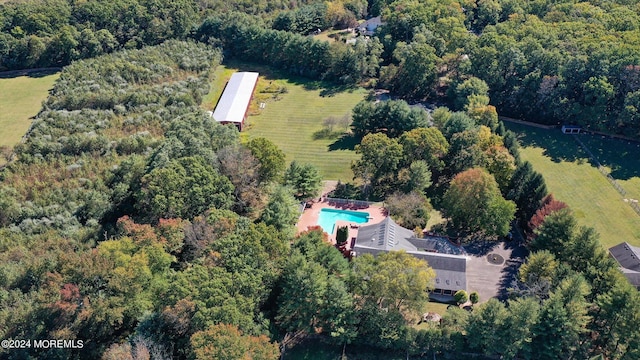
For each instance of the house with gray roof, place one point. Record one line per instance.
(369, 27)
(450, 266)
(628, 257)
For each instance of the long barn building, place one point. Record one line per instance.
(234, 103)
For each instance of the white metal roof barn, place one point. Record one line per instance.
(234, 103)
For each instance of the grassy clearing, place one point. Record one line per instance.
(293, 115)
(573, 179)
(434, 307)
(435, 218)
(335, 35)
(621, 158)
(20, 99)
(218, 80)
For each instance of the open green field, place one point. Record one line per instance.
(621, 158)
(573, 179)
(20, 99)
(292, 117)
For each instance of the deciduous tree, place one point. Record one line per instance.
(394, 279)
(549, 205)
(485, 325)
(379, 161)
(187, 187)
(312, 298)
(540, 266)
(415, 77)
(461, 297)
(392, 117)
(226, 342)
(244, 171)
(617, 314)
(555, 233)
(517, 330)
(468, 88)
(271, 158)
(563, 321)
(426, 144)
(474, 297)
(473, 203)
(409, 210)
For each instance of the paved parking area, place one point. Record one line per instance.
(493, 280)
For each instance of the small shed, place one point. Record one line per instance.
(571, 129)
(234, 103)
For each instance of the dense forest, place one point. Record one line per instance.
(132, 221)
(553, 62)
(546, 62)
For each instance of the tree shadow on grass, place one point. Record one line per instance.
(621, 156)
(556, 146)
(32, 73)
(345, 142)
(617, 154)
(330, 90)
(327, 134)
(327, 88)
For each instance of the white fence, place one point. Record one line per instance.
(350, 203)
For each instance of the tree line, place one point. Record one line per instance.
(548, 62)
(52, 33)
(247, 38)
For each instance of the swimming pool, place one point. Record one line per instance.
(328, 217)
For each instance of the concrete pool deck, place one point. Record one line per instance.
(309, 218)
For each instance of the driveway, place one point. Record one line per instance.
(490, 280)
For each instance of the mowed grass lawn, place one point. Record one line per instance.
(621, 158)
(573, 179)
(20, 99)
(293, 115)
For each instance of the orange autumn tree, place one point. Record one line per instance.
(226, 342)
(549, 205)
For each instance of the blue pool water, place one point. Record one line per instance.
(328, 217)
